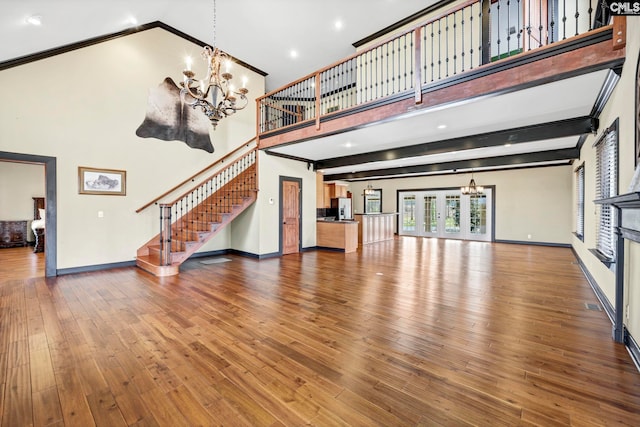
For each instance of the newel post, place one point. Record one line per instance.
(165, 234)
(619, 32)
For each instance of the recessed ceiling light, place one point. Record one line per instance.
(338, 25)
(293, 53)
(131, 20)
(442, 126)
(507, 145)
(34, 20)
(348, 144)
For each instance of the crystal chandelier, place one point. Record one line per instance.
(472, 189)
(214, 94)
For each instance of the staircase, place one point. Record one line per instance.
(194, 218)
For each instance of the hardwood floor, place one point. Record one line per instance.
(411, 332)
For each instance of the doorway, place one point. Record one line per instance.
(446, 214)
(51, 236)
(290, 214)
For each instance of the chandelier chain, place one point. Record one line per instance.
(214, 94)
(214, 24)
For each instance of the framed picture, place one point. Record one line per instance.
(102, 181)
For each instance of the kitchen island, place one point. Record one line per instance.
(337, 235)
(376, 227)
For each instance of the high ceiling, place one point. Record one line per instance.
(261, 33)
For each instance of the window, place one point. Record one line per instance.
(452, 218)
(409, 213)
(373, 201)
(430, 224)
(478, 214)
(607, 186)
(580, 202)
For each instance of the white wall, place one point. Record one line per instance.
(19, 182)
(622, 106)
(262, 220)
(534, 202)
(83, 108)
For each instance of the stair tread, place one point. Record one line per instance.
(197, 231)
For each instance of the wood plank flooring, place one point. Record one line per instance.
(411, 332)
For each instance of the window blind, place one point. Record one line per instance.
(607, 186)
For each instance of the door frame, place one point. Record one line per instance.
(281, 181)
(51, 230)
(434, 189)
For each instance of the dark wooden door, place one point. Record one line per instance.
(290, 217)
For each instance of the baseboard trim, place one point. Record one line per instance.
(93, 268)
(528, 242)
(252, 255)
(608, 308)
(632, 348)
(209, 253)
(324, 248)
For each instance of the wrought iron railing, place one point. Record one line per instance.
(473, 33)
(203, 208)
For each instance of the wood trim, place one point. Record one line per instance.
(567, 154)
(108, 37)
(51, 196)
(533, 72)
(619, 32)
(558, 129)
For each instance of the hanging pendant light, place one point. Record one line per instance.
(369, 191)
(214, 94)
(472, 188)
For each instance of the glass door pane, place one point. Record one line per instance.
(478, 213)
(409, 213)
(452, 214)
(430, 223)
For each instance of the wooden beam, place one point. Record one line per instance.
(542, 131)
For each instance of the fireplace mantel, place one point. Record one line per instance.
(628, 220)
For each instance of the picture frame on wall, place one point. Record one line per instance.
(111, 182)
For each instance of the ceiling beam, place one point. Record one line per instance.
(513, 161)
(559, 129)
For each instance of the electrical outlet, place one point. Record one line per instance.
(100, 214)
(528, 236)
(626, 310)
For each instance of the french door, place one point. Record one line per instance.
(446, 214)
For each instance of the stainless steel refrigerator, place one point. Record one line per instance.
(343, 207)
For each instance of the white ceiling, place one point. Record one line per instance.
(262, 33)
(559, 100)
(259, 32)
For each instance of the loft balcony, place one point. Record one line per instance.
(452, 90)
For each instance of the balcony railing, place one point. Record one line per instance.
(472, 34)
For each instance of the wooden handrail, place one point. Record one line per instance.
(210, 177)
(372, 47)
(192, 177)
